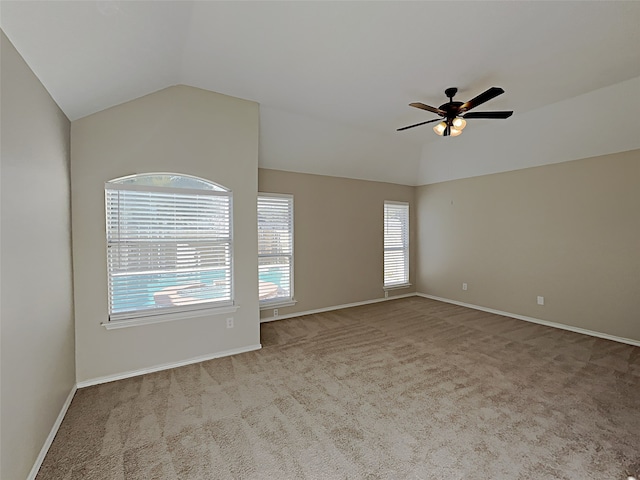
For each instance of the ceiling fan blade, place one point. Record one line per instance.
(418, 124)
(480, 99)
(428, 108)
(496, 115)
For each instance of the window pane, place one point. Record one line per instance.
(154, 290)
(275, 277)
(169, 180)
(137, 216)
(396, 243)
(275, 247)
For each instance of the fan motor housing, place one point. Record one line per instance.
(452, 109)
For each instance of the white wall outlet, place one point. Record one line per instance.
(230, 322)
(464, 286)
(540, 300)
(386, 294)
(275, 312)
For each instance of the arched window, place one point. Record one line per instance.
(169, 245)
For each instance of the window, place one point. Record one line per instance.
(275, 249)
(169, 245)
(396, 244)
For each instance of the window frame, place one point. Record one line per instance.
(281, 301)
(163, 314)
(405, 247)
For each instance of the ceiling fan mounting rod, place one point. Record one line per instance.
(451, 92)
(451, 108)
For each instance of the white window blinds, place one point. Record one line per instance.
(168, 249)
(396, 244)
(275, 248)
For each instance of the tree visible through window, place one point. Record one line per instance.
(396, 244)
(169, 245)
(275, 248)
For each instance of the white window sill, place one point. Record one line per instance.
(168, 317)
(278, 304)
(396, 287)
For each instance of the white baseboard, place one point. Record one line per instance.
(547, 323)
(166, 366)
(335, 307)
(52, 435)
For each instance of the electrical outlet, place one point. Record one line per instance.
(386, 294)
(464, 286)
(230, 322)
(540, 300)
(275, 312)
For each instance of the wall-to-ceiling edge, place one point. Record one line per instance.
(568, 130)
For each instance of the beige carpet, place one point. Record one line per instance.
(407, 389)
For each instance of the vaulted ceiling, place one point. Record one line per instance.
(334, 79)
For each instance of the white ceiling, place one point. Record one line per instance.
(334, 79)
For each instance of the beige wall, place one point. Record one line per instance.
(338, 231)
(38, 369)
(569, 232)
(178, 129)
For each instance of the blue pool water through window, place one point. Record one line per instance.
(202, 285)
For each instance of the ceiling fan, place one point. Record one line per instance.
(454, 114)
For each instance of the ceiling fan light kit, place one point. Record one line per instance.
(453, 114)
(455, 127)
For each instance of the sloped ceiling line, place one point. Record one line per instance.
(348, 70)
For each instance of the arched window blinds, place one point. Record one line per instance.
(169, 245)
